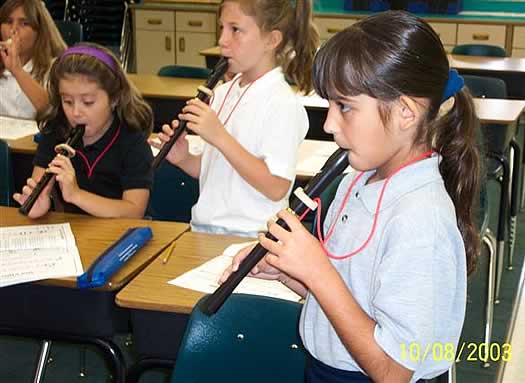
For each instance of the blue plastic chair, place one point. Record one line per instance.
(479, 50)
(184, 71)
(250, 339)
(7, 187)
(71, 31)
(173, 194)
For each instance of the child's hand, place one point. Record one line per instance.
(43, 202)
(62, 167)
(179, 151)
(9, 54)
(262, 270)
(203, 121)
(297, 252)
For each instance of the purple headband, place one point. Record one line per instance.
(94, 52)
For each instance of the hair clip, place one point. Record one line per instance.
(446, 106)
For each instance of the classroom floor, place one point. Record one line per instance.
(18, 356)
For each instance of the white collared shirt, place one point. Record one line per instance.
(410, 278)
(270, 122)
(13, 100)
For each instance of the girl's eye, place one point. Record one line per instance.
(67, 102)
(235, 29)
(343, 107)
(88, 103)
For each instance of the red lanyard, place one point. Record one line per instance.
(376, 214)
(91, 168)
(238, 101)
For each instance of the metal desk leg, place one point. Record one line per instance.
(42, 361)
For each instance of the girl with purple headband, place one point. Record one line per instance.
(109, 175)
(400, 236)
(29, 41)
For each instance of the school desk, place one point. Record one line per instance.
(55, 309)
(159, 311)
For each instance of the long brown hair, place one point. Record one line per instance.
(129, 104)
(48, 44)
(300, 36)
(396, 53)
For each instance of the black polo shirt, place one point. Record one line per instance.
(120, 160)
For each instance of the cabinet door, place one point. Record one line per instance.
(519, 37)
(447, 34)
(517, 52)
(189, 45)
(154, 49)
(329, 26)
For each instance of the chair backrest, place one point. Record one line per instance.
(173, 194)
(250, 339)
(184, 71)
(71, 31)
(497, 136)
(479, 50)
(6, 175)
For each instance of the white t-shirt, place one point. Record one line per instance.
(270, 123)
(13, 100)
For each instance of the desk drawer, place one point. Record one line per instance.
(155, 20)
(519, 37)
(330, 26)
(195, 22)
(481, 34)
(446, 31)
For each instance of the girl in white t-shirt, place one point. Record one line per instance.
(29, 43)
(255, 123)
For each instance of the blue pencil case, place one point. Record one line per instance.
(114, 257)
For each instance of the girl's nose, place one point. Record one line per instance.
(223, 39)
(330, 124)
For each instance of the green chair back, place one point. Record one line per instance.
(479, 50)
(71, 31)
(250, 339)
(173, 194)
(184, 71)
(6, 175)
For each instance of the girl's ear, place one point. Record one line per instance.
(408, 111)
(274, 38)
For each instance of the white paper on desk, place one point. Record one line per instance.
(13, 128)
(35, 252)
(204, 278)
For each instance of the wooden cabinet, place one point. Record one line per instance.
(169, 37)
(194, 32)
(447, 32)
(518, 42)
(329, 26)
(481, 34)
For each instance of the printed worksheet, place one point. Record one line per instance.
(13, 128)
(35, 252)
(204, 278)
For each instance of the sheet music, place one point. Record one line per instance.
(13, 128)
(204, 278)
(30, 253)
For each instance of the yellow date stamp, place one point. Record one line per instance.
(466, 351)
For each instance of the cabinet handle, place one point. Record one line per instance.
(480, 36)
(154, 21)
(182, 44)
(333, 30)
(195, 23)
(167, 43)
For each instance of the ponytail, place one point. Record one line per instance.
(304, 38)
(456, 140)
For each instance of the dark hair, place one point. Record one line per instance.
(396, 53)
(129, 104)
(300, 36)
(48, 44)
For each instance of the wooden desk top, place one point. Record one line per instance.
(94, 235)
(488, 64)
(166, 87)
(498, 111)
(23, 145)
(150, 289)
(478, 63)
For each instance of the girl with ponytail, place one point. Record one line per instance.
(400, 235)
(255, 123)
